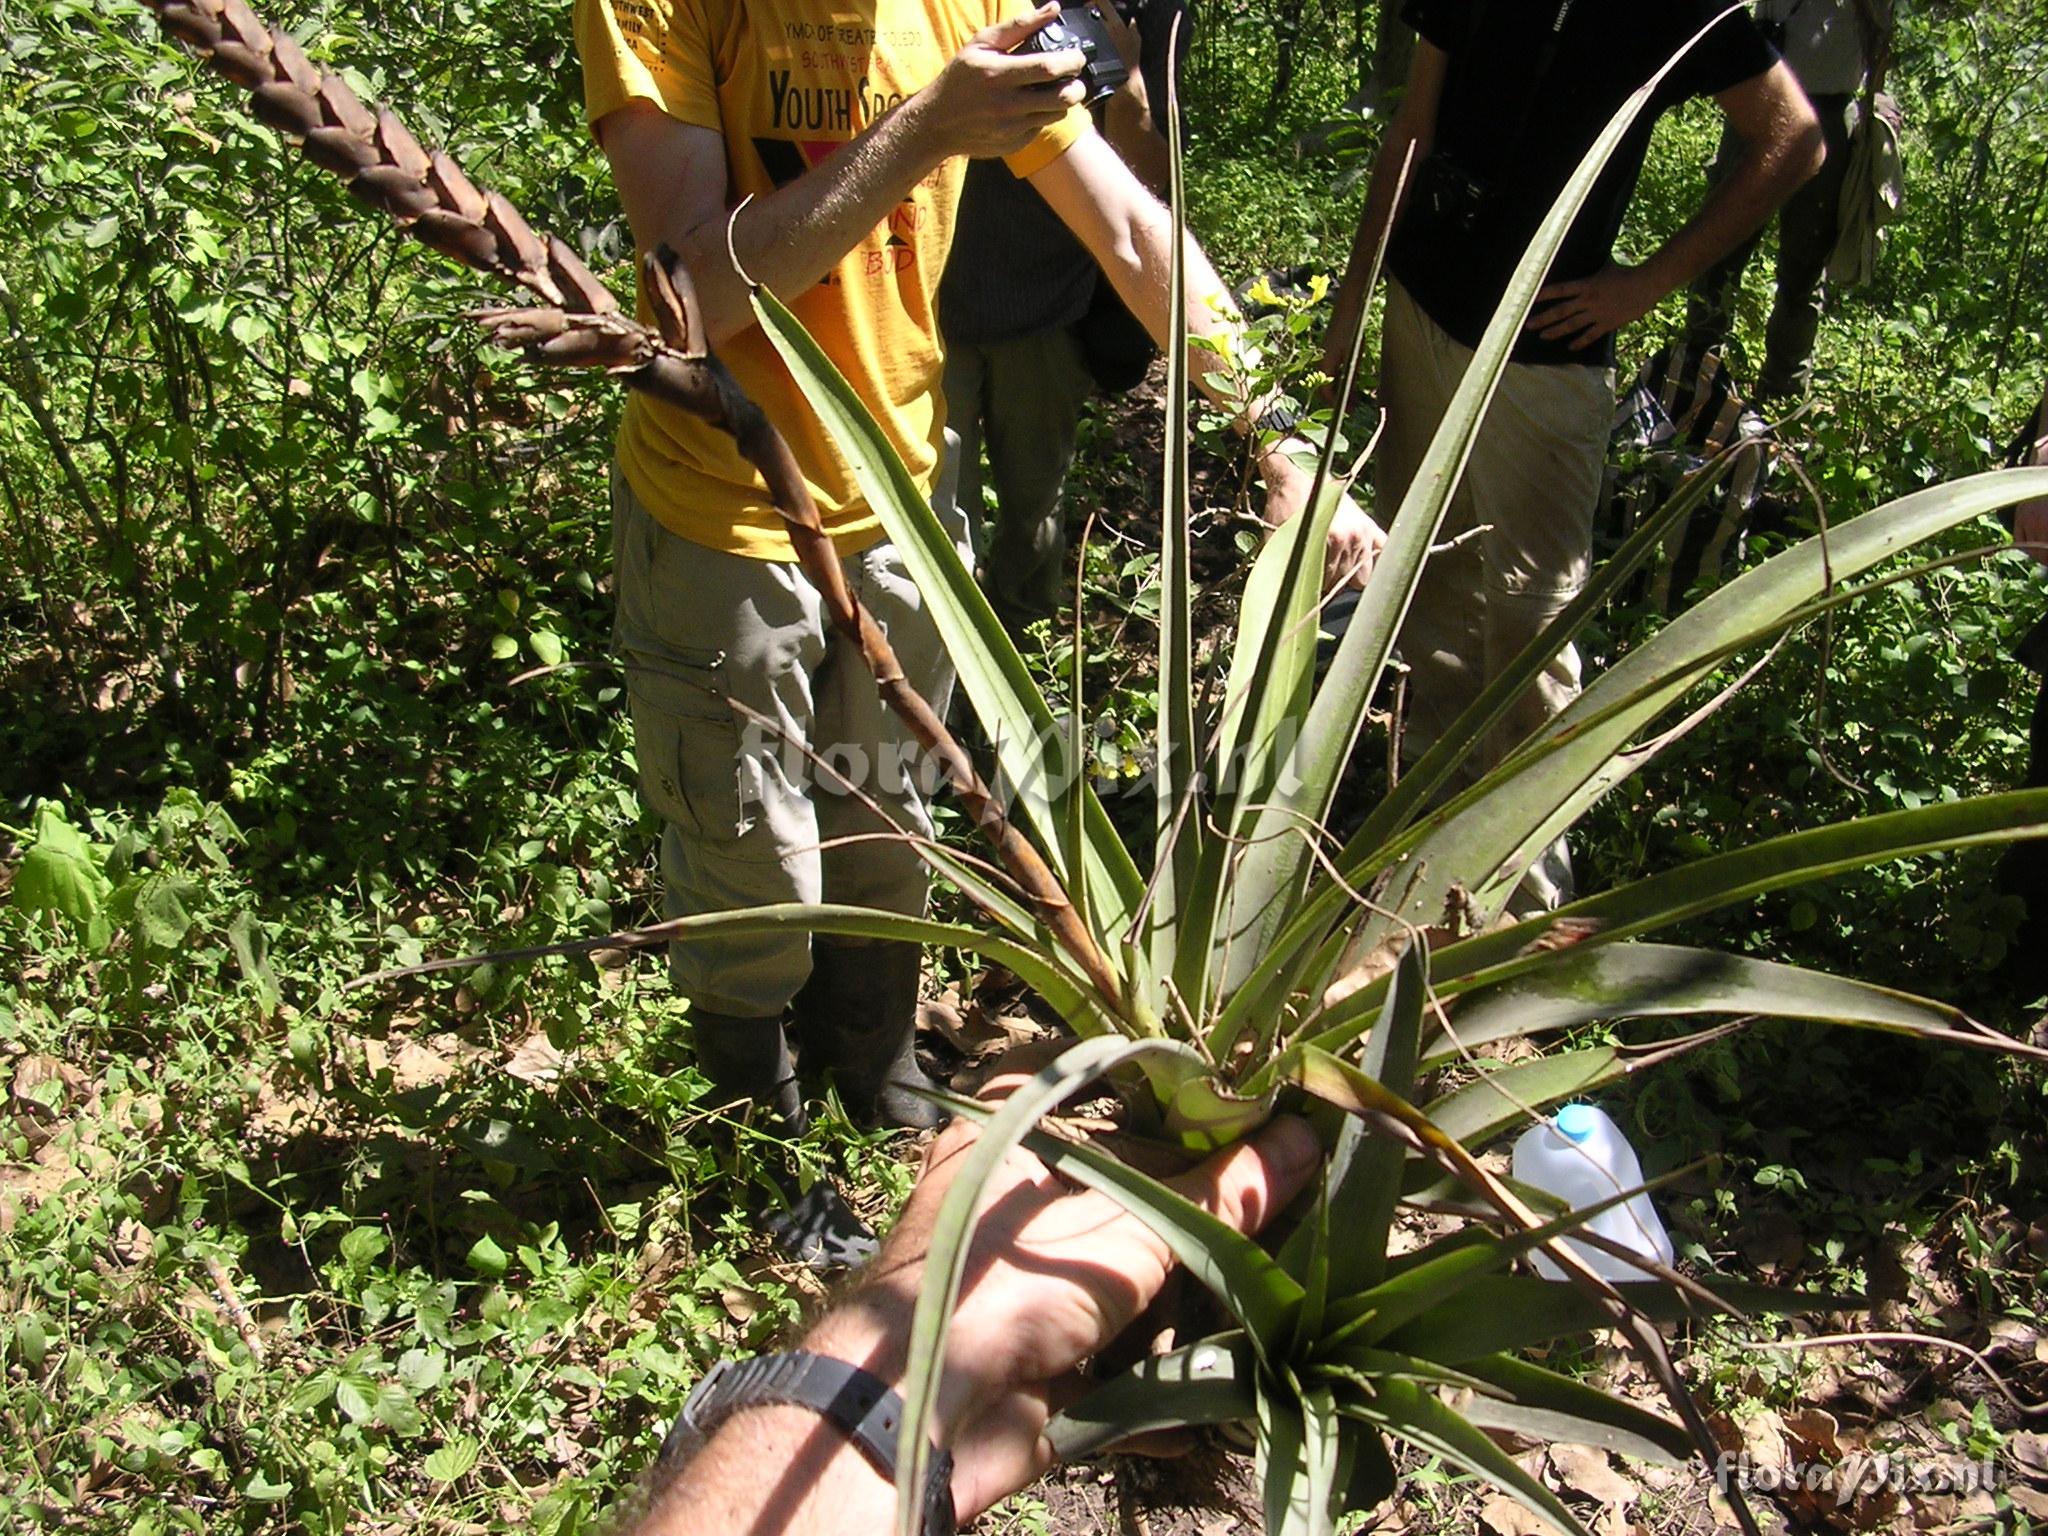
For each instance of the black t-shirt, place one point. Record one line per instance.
(1522, 137)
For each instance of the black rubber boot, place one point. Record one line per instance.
(747, 1060)
(856, 1020)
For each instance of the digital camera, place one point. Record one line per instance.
(1455, 196)
(1082, 27)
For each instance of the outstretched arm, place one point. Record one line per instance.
(672, 181)
(1053, 1275)
(1130, 235)
(1781, 147)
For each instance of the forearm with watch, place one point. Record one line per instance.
(797, 1448)
(804, 1440)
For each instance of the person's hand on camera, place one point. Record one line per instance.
(1054, 1274)
(989, 101)
(1579, 313)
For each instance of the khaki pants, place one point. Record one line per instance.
(1532, 484)
(1022, 398)
(745, 810)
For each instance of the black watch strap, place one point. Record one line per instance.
(1280, 419)
(857, 1401)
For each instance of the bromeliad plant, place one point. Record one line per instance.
(1244, 958)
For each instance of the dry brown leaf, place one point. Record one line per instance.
(1814, 1435)
(943, 1017)
(536, 1061)
(1585, 1469)
(2029, 1452)
(2029, 1501)
(1763, 1436)
(1505, 1517)
(133, 1243)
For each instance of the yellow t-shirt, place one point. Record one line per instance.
(787, 82)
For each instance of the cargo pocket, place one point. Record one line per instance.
(686, 742)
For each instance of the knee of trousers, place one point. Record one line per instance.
(749, 975)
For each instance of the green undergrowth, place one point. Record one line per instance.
(323, 688)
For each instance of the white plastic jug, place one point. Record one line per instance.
(1582, 1158)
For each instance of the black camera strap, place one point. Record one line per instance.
(1539, 73)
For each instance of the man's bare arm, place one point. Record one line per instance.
(1054, 1274)
(1781, 148)
(1410, 135)
(1130, 235)
(672, 178)
(1133, 123)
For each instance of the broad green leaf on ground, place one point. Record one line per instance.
(59, 872)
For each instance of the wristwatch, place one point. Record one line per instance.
(857, 1401)
(1280, 419)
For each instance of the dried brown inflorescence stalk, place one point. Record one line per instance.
(581, 325)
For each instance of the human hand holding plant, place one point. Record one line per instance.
(1355, 539)
(1054, 1274)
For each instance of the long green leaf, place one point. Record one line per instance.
(1529, 1399)
(1418, 1416)
(1496, 1313)
(1480, 1110)
(1705, 885)
(1281, 1465)
(1310, 1263)
(1363, 858)
(1635, 981)
(1365, 1473)
(1532, 799)
(1321, 1458)
(1373, 1316)
(1179, 833)
(1743, 874)
(1014, 713)
(1466, 734)
(1365, 1367)
(1364, 1172)
(1273, 870)
(1038, 965)
(1209, 1382)
(946, 1259)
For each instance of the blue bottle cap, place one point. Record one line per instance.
(1577, 1122)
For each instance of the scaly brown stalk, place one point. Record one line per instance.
(581, 325)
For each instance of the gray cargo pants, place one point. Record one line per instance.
(749, 819)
